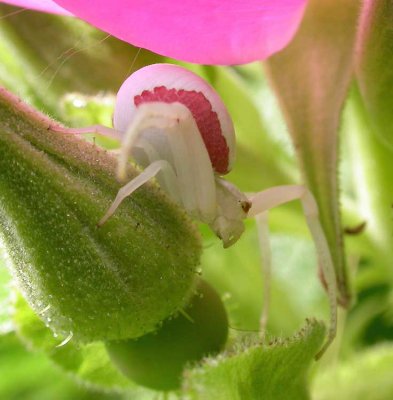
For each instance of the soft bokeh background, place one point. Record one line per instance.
(72, 72)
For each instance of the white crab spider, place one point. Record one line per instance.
(175, 126)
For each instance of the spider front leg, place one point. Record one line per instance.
(263, 201)
(99, 129)
(149, 173)
(266, 255)
(164, 139)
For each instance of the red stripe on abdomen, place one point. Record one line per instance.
(206, 119)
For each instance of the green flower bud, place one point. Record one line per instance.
(113, 282)
(157, 359)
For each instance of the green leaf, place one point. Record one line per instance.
(88, 364)
(157, 360)
(270, 372)
(365, 376)
(374, 66)
(5, 299)
(45, 57)
(27, 375)
(373, 163)
(311, 77)
(296, 290)
(118, 281)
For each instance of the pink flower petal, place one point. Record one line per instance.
(48, 6)
(200, 31)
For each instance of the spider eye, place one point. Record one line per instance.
(245, 205)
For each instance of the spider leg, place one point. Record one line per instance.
(99, 129)
(311, 213)
(275, 196)
(148, 173)
(184, 149)
(167, 177)
(264, 244)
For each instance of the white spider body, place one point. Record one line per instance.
(175, 126)
(164, 128)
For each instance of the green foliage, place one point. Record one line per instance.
(374, 67)
(296, 291)
(312, 94)
(157, 359)
(54, 189)
(5, 299)
(276, 371)
(28, 375)
(366, 376)
(72, 71)
(50, 57)
(268, 366)
(88, 363)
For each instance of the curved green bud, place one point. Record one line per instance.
(157, 359)
(374, 58)
(117, 281)
(311, 78)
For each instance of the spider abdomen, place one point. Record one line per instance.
(165, 83)
(206, 119)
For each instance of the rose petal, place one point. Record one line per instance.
(39, 5)
(200, 31)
